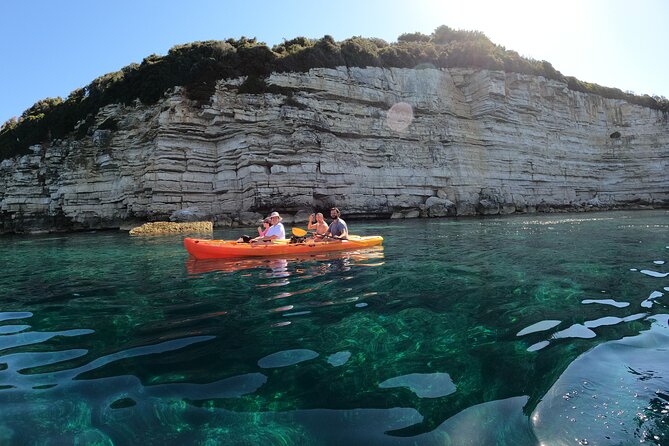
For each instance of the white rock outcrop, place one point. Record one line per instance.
(374, 142)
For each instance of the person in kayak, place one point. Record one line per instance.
(275, 232)
(319, 225)
(338, 228)
(264, 227)
(262, 230)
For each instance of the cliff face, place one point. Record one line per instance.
(374, 142)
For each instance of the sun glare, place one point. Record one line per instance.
(533, 29)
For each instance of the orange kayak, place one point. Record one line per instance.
(221, 249)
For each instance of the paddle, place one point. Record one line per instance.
(299, 232)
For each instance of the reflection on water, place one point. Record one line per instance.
(278, 266)
(520, 331)
(281, 271)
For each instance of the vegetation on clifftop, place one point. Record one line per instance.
(198, 66)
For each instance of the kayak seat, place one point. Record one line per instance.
(296, 239)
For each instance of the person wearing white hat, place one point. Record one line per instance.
(276, 231)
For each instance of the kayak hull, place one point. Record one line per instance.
(222, 249)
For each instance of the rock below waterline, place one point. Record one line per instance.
(164, 227)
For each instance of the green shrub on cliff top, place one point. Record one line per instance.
(198, 66)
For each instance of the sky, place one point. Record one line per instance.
(50, 48)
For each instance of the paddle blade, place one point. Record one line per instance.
(298, 232)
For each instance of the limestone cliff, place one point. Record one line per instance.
(375, 142)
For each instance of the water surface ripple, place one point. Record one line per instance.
(523, 330)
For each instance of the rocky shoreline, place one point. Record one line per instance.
(378, 143)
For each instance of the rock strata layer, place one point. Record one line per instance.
(375, 142)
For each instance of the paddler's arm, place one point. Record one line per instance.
(265, 238)
(269, 238)
(311, 224)
(343, 235)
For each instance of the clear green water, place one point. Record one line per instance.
(470, 331)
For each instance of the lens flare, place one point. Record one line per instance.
(400, 116)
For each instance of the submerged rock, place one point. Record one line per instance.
(164, 227)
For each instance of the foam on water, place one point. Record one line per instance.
(9, 315)
(233, 387)
(575, 331)
(648, 303)
(9, 329)
(339, 358)
(286, 358)
(606, 302)
(653, 273)
(539, 326)
(538, 346)
(612, 320)
(32, 337)
(424, 385)
(19, 361)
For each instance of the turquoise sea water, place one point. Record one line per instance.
(523, 330)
